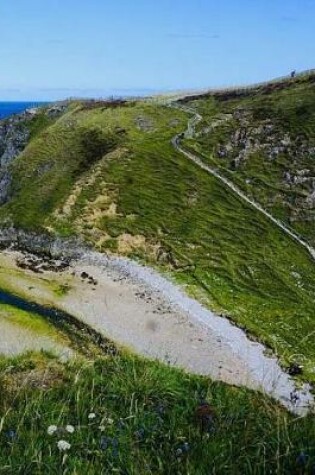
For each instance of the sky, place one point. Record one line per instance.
(53, 49)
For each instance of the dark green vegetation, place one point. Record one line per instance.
(145, 200)
(39, 122)
(44, 320)
(108, 173)
(145, 422)
(264, 141)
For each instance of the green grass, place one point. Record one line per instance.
(291, 110)
(39, 122)
(31, 322)
(201, 235)
(147, 414)
(225, 253)
(228, 255)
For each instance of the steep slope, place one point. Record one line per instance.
(15, 134)
(133, 416)
(109, 173)
(264, 140)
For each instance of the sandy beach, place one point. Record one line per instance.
(139, 309)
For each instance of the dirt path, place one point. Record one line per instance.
(176, 141)
(139, 309)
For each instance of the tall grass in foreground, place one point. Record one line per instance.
(129, 416)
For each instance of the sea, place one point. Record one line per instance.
(10, 108)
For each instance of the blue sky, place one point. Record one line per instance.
(53, 49)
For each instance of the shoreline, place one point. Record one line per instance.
(138, 308)
(245, 362)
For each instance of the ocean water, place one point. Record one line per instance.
(9, 108)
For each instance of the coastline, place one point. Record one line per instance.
(10, 108)
(143, 311)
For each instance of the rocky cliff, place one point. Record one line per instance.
(264, 141)
(14, 135)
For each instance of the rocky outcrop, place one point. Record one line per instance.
(42, 244)
(14, 136)
(267, 139)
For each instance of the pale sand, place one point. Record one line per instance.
(15, 340)
(139, 309)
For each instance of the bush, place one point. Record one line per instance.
(96, 143)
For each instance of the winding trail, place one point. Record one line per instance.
(140, 309)
(176, 142)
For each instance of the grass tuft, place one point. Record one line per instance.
(134, 416)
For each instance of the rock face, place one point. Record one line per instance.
(277, 149)
(264, 137)
(44, 245)
(14, 136)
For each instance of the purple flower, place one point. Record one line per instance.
(105, 443)
(121, 424)
(302, 459)
(115, 445)
(160, 410)
(178, 452)
(140, 434)
(11, 434)
(185, 447)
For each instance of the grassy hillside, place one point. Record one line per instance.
(134, 417)
(110, 174)
(264, 140)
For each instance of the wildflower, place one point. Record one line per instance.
(11, 435)
(160, 409)
(102, 428)
(121, 424)
(182, 450)
(105, 442)
(91, 416)
(115, 445)
(140, 434)
(179, 452)
(63, 445)
(302, 459)
(70, 429)
(185, 447)
(109, 421)
(52, 430)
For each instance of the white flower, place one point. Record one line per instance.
(92, 415)
(70, 429)
(105, 420)
(51, 430)
(63, 445)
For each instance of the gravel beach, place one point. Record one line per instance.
(139, 309)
